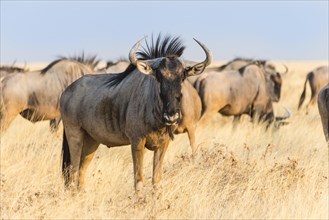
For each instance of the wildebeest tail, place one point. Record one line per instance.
(66, 159)
(302, 96)
(200, 87)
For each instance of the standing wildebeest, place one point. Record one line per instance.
(233, 93)
(273, 77)
(191, 102)
(191, 113)
(323, 105)
(317, 79)
(35, 95)
(140, 106)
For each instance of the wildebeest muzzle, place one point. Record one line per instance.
(171, 119)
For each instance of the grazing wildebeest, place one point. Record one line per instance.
(35, 95)
(317, 79)
(323, 105)
(140, 107)
(233, 93)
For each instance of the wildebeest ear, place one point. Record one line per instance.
(194, 70)
(144, 67)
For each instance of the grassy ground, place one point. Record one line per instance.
(246, 173)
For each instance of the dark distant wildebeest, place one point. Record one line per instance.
(233, 93)
(317, 79)
(140, 106)
(323, 105)
(35, 95)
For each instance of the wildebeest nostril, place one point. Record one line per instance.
(171, 118)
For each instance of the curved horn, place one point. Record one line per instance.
(286, 71)
(132, 53)
(208, 59)
(287, 115)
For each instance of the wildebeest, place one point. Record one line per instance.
(317, 79)
(191, 113)
(35, 95)
(323, 105)
(140, 106)
(233, 93)
(273, 77)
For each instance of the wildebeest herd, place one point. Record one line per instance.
(145, 101)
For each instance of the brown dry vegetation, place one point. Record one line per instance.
(246, 173)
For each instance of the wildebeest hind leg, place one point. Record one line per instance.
(88, 151)
(6, 118)
(75, 137)
(206, 118)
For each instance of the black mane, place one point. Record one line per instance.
(90, 61)
(11, 69)
(162, 47)
(248, 60)
(168, 46)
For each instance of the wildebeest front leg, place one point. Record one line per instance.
(191, 136)
(158, 163)
(236, 121)
(137, 150)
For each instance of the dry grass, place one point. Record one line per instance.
(244, 174)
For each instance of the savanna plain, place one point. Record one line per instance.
(237, 173)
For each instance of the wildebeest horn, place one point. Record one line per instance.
(286, 71)
(208, 59)
(280, 118)
(132, 54)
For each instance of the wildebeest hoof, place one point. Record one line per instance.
(139, 186)
(157, 192)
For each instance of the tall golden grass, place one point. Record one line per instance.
(237, 174)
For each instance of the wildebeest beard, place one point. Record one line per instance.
(170, 132)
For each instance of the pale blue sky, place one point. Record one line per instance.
(39, 31)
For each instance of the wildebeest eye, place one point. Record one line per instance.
(179, 97)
